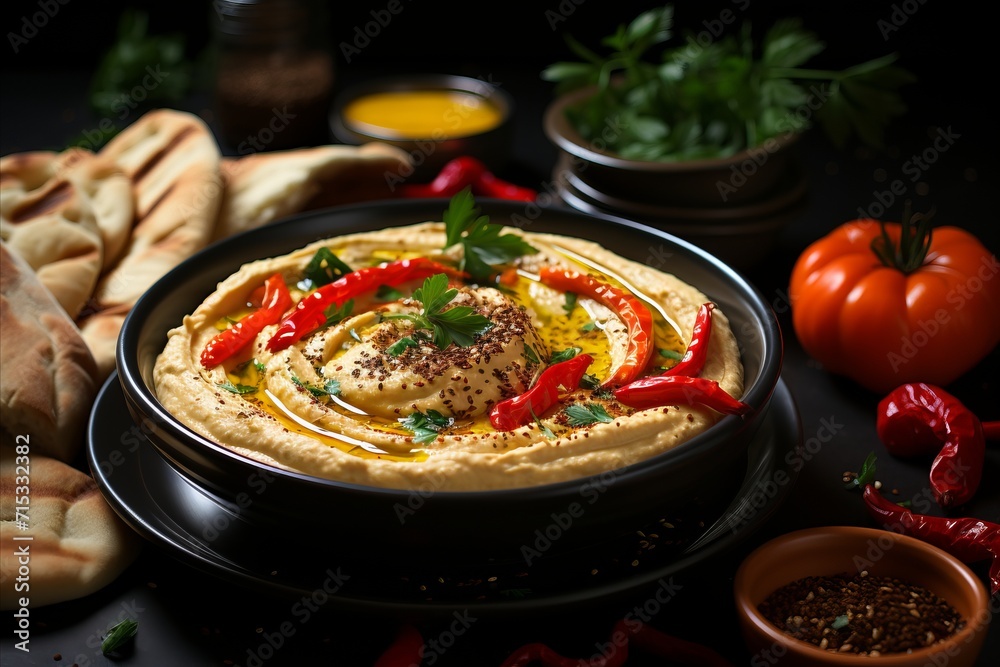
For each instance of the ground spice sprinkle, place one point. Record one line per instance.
(862, 614)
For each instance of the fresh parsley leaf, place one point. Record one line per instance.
(545, 430)
(483, 245)
(330, 387)
(671, 354)
(119, 635)
(388, 294)
(400, 346)
(324, 268)
(458, 324)
(588, 327)
(584, 415)
(530, 354)
(425, 426)
(336, 314)
(867, 473)
(563, 355)
(588, 381)
(570, 303)
(435, 293)
(236, 388)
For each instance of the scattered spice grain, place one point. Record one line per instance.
(864, 614)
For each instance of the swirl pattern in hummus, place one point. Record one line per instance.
(358, 434)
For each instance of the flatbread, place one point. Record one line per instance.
(49, 379)
(77, 545)
(265, 187)
(68, 215)
(172, 160)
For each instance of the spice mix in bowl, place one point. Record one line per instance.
(838, 595)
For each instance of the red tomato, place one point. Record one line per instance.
(888, 313)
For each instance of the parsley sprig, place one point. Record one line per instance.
(483, 245)
(425, 426)
(458, 324)
(731, 95)
(585, 415)
(324, 268)
(118, 636)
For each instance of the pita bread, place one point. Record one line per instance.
(172, 160)
(49, 378)
(265, 187)
(66, 214)
(78, 544)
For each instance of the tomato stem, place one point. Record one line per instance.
(914, 242)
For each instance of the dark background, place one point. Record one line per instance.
(950, 46)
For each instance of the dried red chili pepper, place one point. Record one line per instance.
(968, 539)
(232, 341)
(554, 381)
(467, 171)
(659, 390)
(454, 176)
(919, 418)
(627, 306)
(625, 633)
(406, 650)
(310, 312)
(489, 185)
(697, 350)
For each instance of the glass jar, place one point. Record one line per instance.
(274, 73)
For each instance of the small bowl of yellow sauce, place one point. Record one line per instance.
(434, 118)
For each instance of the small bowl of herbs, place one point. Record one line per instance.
(683, 131)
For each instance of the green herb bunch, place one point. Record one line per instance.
(156, 64)
(712, 101)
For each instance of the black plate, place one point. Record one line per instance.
(216, 536)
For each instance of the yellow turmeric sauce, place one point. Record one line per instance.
(422, 114)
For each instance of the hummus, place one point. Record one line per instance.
(355, 402)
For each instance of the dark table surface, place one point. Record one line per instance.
(193, 617)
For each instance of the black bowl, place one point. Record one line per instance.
(442, 527)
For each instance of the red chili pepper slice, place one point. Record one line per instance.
(225, 344)
(555, 380)
(628, 307)
(966, 538)
(626, 632)
(697, 350)
(659, 390)
(918, 418)
(454, 176)
(406, 650)
(309, 313)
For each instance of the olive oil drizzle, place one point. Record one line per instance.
(560, 332)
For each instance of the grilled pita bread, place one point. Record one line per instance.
(172, 160)
(265, 187)
(49, 377)
(78, 544)
(68, 215)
